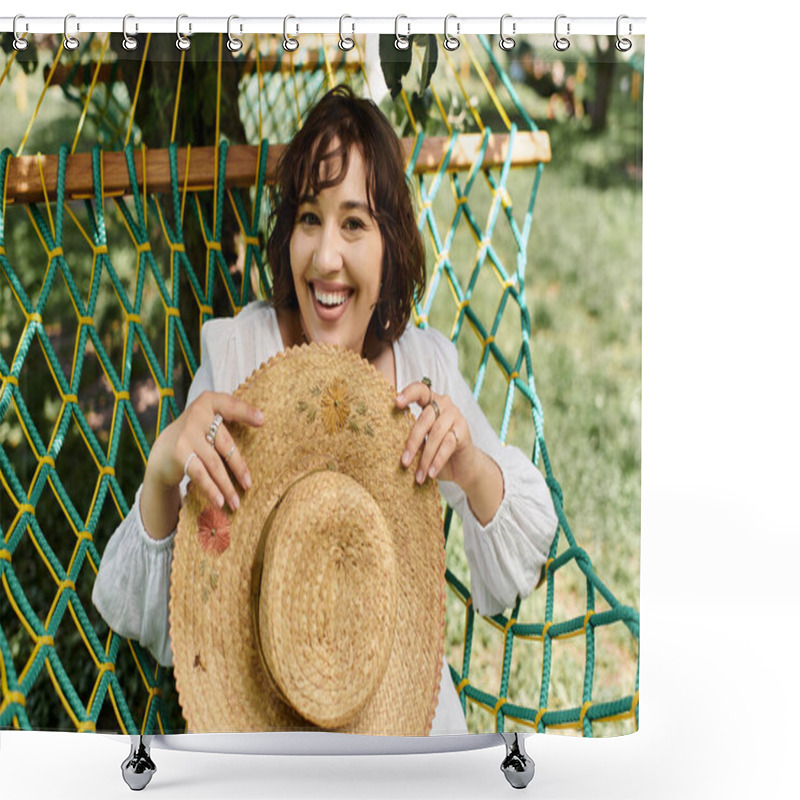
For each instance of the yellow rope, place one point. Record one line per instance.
(329, 79)
(216, 135)
(41, 98)
(138, 87)
(260, 92)
(177, 97)
(464, 92)
(91, 91)
(488, 86)
(9, 63)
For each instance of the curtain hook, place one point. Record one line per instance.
(182, 42)
(290, 43)
(623, 45)
(346, 42)
(401, 42)
(561, 44)
(70, 42)
(129, 42)
(19, 42)
(451, 42)
(506, 42)
(234, 44)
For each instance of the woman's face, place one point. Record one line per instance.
(336, 253)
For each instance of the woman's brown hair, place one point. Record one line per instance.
(349, 121)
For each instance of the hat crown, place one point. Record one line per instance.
(328, 598)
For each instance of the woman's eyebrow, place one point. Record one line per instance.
(357, 205)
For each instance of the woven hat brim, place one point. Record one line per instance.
(325, 408)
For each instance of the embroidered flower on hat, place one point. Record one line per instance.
(214, 530)
(335, 406)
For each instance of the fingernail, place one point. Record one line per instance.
(420, 476)
(235, 502)
(259, 417)
(248, 481)
(406, 458)
(401, 398)
(220, 500)
(432, 472)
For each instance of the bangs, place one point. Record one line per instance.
(328, 164)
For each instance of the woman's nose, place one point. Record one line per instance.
(327, 254)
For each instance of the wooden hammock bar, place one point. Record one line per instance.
(25, 185)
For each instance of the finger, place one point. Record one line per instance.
(417, 436)
(445, 452)
(215, 467)
(436, 440)
(199, 476)
(417, 392)
(231, 457)
(233, 409)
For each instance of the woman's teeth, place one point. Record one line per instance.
(330, 298)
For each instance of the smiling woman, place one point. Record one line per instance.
(347, 260)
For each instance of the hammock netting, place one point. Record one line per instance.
(98, 345)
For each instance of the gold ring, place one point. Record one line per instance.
(453, 431)
(435, 406)
(230, 453)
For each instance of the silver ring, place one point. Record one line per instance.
(212, 431)
(187, 462)
(230, 453)
(70, 42)
(19, 42)
(435, 406)
(290, 43)
(506, 42)
(129, 42)
(182, 42)
(451, 42)
(623, 45)
(427, 381)
(401, 42)
(560, 43)
(234, 44)
(346, 42)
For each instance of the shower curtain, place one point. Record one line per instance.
(138, 185)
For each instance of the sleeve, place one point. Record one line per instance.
(131, 590)
(505, 556)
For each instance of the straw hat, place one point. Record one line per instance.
(319, 604)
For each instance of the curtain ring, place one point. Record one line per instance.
(182, 42)
(560, 43)
(129, 42)
(19, 42)
(506, 42)
(451, 43)
(401, 42)
(234, 44)
(290, 43)
(70, 42)
(346, 42)
(623, 45)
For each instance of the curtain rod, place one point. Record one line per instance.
(298, 25)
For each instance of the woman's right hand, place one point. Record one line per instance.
(209, 467)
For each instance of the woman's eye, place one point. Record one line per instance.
(308, 218)
(353, 224)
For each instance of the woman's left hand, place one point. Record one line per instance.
(443, 434)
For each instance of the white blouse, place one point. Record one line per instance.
(505, 556)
